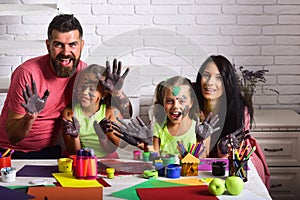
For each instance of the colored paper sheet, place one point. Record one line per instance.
(130, 192)
(68, 180)
(63, 193)
(9, 194)
(123, 168)
(100, 180)
(37, 171)
(186, 181)
(181, 192)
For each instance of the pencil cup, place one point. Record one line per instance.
(5, 161)
(86, 167)
(238, 168)
(73, 157)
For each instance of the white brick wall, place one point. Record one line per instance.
(160, 38)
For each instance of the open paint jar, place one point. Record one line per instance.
(173, 171)
(8, 174)
(218, 168)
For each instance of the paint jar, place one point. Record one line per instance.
(5, 161)
(110, 172)
(156, 159)
(8, 174)
(218, 168)
(65, 165)
(146, 156)
(168, 159)
(153, 156)
(136, 155)
(173, 171)
(160, 168)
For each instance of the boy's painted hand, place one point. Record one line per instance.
(113, 82)
(71, 127)
(232, 140)
(103, 127)
(34, 104)
(206, 128)
(135, 132)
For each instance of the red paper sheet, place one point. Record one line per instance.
(180, 192)
(63, 193)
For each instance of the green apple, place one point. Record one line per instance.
(216, 186)
(234, 185)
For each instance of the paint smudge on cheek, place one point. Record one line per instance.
(91, 95)
(185, 111)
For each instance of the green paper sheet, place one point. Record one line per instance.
(130, 192)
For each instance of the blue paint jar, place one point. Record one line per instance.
(173, 171)
(160, 168)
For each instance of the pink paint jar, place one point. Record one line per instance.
(136, 155)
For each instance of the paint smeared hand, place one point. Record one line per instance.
(34, 104)
(135, 132)
(71, 127)
(114, 81)
(103, 127)
(207, 127)
(233, 140)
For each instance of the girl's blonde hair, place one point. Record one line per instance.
(160, 91)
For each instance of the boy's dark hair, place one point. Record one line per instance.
(64, 23)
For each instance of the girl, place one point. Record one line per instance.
(175, 114)
(218, 92)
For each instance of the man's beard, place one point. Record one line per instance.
(62, 71)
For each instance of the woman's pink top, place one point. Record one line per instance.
(258, 158)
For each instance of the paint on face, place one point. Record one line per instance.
(176, 90)
(185, 110)
(91, 95)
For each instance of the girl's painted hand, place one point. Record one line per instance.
(71, 127)
(135, 132)
(114, 81)
(206, 128)
(103, 127)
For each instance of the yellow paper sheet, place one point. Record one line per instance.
(187, 181)
(68, 180)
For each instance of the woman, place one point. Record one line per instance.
(218, 92)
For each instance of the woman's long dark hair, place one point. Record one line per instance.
(232, 98)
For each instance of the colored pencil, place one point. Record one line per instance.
(6, 152)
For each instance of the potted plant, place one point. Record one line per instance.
(248, 80)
